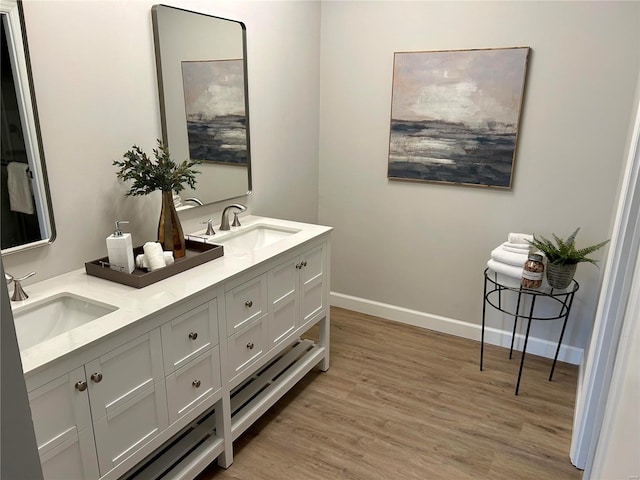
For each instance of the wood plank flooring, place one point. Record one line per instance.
(401, 402)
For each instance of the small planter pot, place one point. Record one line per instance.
(560, 276)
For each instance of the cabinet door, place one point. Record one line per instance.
(312, 279)
(245, 303)
(128, 399)
(62, 424)
(282, 282)
(189, 335)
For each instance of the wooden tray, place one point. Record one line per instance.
(196, 254)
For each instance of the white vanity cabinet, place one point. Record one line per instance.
(62, 424)
(192, 359)
(296, 293)
(246, 310)
(193, 362)
(95, 417)
(128, 399)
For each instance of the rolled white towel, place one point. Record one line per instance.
(141, 262)
(520, 238)
(517, 247)
(504, 269)
(499, 254)
(154, 255)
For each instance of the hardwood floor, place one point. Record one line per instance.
(401, 402)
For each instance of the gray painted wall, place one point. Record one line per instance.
(424, 246)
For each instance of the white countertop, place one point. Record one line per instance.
(135, 304)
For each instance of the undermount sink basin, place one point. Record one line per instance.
(55, 315)
(255, 237)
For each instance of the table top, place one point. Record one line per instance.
(514, 284)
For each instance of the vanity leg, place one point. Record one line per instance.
(223, 428)
(324, 340)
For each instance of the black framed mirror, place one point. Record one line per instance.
(201, 65)
(25, 200)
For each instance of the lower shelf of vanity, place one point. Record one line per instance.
(197, 445)
(259, 392)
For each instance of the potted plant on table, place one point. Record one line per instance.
(165, 175)
(563, 257)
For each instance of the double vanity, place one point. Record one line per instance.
(139, 383)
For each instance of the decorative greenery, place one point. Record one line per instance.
(164, 174)
(564, 252)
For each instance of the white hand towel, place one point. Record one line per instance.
(520, 238)
(499, 254)
(517, 247)
(168, 257)
(504, 269)
(19, 188)
(154, 255)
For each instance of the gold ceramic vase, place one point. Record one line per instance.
(170, 234)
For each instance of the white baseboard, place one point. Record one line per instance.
(493, 336)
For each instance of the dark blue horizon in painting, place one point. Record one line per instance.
(221, 139)
(441, 151)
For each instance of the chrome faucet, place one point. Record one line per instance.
(224, 222)
(18, 292)
(195, 200)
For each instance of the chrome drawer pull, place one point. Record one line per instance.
(248, 304)
(193, 335)
(96, 377)
(250, 345)
(196, 384)
(81, 386)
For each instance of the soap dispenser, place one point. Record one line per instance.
(120, 250)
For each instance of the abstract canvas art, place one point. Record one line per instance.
(455, 115)
(214, 104)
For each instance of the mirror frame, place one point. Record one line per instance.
(162, 93)
(12, 16)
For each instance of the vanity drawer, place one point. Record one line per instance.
(246, 303)
(192, 384)
(189, 335)
(247, 346)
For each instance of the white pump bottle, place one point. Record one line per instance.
(120, 250)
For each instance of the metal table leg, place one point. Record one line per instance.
(484, 309)
(515, 323)
(526, 339)
(564, 325)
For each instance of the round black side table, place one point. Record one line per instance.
(495, 285)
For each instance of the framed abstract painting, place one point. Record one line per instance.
(455, 115)
(215, 109)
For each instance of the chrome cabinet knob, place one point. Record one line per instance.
(81, 386)
(250, 345)
(96, 377)
(193, 335)
(248, 304)
(196, 384)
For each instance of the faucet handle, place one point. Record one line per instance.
(8, 278)
(210, 230)
(236, 222)
(18, 293)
